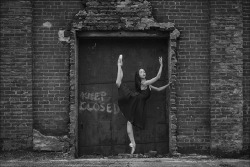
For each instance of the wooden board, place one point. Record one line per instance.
(102, 127)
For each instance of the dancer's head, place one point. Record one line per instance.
(139, 75)
(142, 73)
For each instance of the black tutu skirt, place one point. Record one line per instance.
(132, 105)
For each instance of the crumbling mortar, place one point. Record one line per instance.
(140, 20)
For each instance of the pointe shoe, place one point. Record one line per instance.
(132, 148)
(120, 60)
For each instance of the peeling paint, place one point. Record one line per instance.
(49, 143)
(47, 24)
(61, 36)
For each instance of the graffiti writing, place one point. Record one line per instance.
(102, 107)
(93, 96)
(97, 102)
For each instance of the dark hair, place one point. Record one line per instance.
(137, 81)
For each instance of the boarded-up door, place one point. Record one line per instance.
(102, 127)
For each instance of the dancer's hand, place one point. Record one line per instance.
(160, 61)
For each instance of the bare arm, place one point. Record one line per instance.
(160, 88)
(158, 76)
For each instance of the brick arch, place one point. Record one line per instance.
(128, 16)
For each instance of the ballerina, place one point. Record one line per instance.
(132, 104)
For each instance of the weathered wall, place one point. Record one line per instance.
(51, 66)
(226, 44)
(212, 55)
(192, 19)
(16, 117)
(246, 75)
(51, 74)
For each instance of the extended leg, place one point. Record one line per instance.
(131, 136)
(119, 72)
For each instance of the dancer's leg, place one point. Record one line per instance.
(131, 136)
(119, 72)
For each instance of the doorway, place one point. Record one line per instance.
(101, 126)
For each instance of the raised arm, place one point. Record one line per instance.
(158, 76)
(160, 88)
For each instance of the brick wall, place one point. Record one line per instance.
(191, 18)
(15, 75)
(51, 65)
(226, 77)
(34, 64)
(246, 75)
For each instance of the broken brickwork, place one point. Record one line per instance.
(209, 41)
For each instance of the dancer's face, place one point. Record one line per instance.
(142, 73)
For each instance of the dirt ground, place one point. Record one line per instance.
(58, 159)
(22, 155)
(44, 155)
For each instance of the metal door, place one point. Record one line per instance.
(102, 127)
